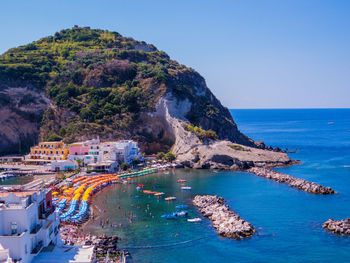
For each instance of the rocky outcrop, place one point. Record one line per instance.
(21, 110)
(338, 226)
(214, 154)
(106, 245)
(291, 181)
(226, 222)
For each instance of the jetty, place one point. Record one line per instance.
(301, 184)
(227, 222)
(338, 226)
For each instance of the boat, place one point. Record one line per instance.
(181, 181)
(194, 219)
(159, 194)
(186, 188)
(169, 216)
(181, 206)
(170, 198)
(140, 185)
(148, 192)
(181, 213)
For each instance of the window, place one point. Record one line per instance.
(25, 248)
(13, 228)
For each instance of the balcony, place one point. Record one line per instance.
(37, 248)
(46, 214)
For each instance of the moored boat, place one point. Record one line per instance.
(169, 216)
(181, 181)
(194, 219)
(170, 198)
(181, 213)
(181, 206)
(186, 188)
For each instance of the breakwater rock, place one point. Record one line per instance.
(291, 181)
(226, 222)
(338, 226)
(107, 245)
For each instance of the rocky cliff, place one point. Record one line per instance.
(82, 82)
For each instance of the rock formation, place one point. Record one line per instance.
(291, 181)
(338, 226)
(214, 154)
(226, 222)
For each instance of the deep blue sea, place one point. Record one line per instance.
(288, 221)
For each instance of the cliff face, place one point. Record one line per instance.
(21, 109)
(82, 83)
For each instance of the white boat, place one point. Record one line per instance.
(186, 187)
(194, 219)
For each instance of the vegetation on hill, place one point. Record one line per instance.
(100, 81)
(201, 133)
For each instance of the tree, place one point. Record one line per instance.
(79, 162)
(123, 166)
(160, 155)
(136, 161)
(169, 157)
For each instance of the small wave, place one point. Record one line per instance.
(347, 166)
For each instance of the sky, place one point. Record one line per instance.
(253, 54)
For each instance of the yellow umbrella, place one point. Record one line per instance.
(54, 193)
(64, 187)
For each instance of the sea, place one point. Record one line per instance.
(288, 221)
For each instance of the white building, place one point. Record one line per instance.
(63, 165)
(108, 155)
(27, 224)
(127, 151)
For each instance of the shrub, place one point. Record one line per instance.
(169, 157)
(54, 138)
(160, 155)
(236, 147)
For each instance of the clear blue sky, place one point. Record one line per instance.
(253, 54)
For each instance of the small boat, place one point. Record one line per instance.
(170, 198)
(140, 185)
(169, 216)
(181, 213)
(194, 219)
(181, 206)
(149, 192)
(159, 194)
(186, 188)
(181, 181)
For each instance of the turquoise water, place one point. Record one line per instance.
(288, 220)
(18, 180)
